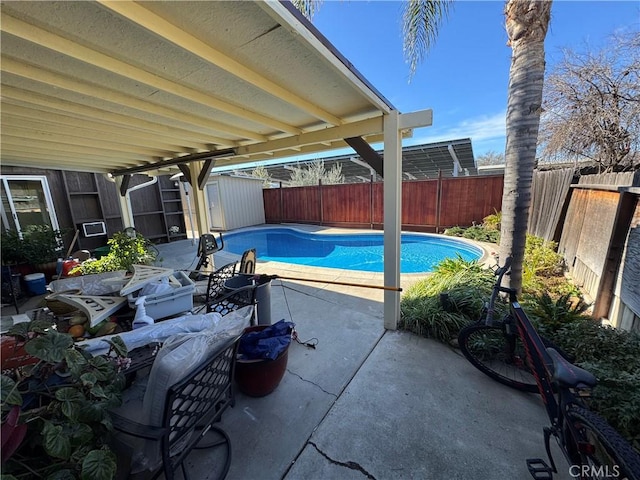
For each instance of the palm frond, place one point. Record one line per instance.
(307, 7)
(421, 20)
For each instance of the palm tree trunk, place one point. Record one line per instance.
(527, 23)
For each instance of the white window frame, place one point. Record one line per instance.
(47, 195)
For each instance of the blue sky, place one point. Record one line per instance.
(464, 77)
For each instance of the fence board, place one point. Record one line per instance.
(350, 205)
(271, 199)
(586, 235)
(301, 204)
(419, 202)
(467, 200)
(549, 190)
(378, 203)
(618, 178)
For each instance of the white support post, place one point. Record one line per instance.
(199, 198)
(392, 216)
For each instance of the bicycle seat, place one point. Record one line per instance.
(569, 375)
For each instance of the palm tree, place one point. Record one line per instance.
(527, 22)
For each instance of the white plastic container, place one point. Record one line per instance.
(168, 304)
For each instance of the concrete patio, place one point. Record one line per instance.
(370, 403)
(366, 402)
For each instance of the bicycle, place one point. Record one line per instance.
(511, 351)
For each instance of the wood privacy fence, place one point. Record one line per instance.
(596, 221)
(427, 205)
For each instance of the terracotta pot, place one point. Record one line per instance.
(49, 269)
(260, 377)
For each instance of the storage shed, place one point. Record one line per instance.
(234, 202)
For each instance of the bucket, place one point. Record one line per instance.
(101, 252)
(263, 294)
(260, 377)
(36, 284)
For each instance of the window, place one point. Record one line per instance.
(26, 200)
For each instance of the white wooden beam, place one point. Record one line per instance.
(421, 118)
(112, 96)
(167, 129)
(89, 56)
(176, 35)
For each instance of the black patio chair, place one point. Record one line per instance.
(248, 262)
(233, 300)
(189, 407)
(215, 285)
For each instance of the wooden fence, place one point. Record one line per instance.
(595, 219)
(427, 205)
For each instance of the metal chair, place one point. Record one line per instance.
(190, 408)
(234, 300)
(215, 285)
(81, 255)
(248, 262)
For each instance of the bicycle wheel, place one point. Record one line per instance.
(601, 451)
(497, 355)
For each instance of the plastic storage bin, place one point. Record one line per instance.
(36, 283)
(168, 304)
(263, 294)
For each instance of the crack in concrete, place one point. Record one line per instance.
(350, 465)
(312, 383)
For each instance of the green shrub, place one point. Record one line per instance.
(553, 314)
(492, 222)
(427, 313)
(489, 231)
(125, 251)
(426, 317)
(12, 248)
(454, 231)
(541, 261)
(481, 234)
(613, 356)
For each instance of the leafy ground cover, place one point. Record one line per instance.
(453, 296)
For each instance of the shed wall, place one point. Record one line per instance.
(625, 312)
(241, 201)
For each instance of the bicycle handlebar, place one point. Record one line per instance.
(497, 287)
(505, 268)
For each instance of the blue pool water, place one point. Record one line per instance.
(364, 252)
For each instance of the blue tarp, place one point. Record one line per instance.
(266, 343)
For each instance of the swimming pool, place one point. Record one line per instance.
(361, 251)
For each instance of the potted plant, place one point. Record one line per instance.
(12, 248)
(55, 413)
(125, 250)
(42, 244)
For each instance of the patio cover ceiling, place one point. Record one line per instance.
(123, 87)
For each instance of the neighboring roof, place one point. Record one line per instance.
(107, 86)
(419, 162)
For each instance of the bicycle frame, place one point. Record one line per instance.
(542, 366)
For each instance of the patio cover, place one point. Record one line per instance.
(126, 87)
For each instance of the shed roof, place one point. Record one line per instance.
(122, 87)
